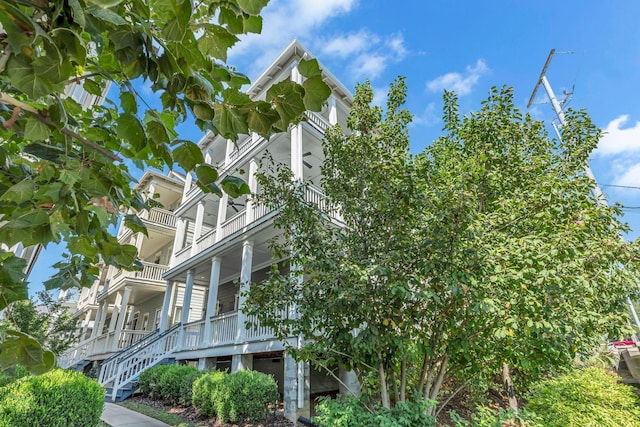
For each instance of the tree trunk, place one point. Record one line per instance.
(508, 387)
(384, 392)
(403, 379)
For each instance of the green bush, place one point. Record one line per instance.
(150, 381)
(588, 397)
(491, 417)
(171, 383)
(231, 397)
(204, 388)
(13, 374)
(246, 394)
(56, 399)
(348, 411)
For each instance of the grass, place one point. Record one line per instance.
(158, 414)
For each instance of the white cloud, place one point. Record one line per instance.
(630, 178)
(379, 96)
(284, 20)
(429, 116)
(617, 140)
(367, 54)
(349, 44)
(461, 83)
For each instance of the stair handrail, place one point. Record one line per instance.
(68, 361)
(128, 368)
(132, 349)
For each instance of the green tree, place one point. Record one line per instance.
(65, 167)
(487, 248)
(46, 319)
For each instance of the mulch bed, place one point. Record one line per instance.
(189, 413)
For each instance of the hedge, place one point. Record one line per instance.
(56, 399)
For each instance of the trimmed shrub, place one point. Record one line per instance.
(587, 397)
(56, 399)
(231, 397)
(496, 417)
(150, 381)
(349, 411)
(247, 395)
(171, 383)
(204, 388)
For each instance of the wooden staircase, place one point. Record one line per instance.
(119, 373)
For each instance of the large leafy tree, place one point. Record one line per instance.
(46, 319)
(65, 167)
(486, 249)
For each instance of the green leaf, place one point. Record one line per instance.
(70, 42)
(176, 28)
(130, 129)
(216, 41)
(77, 12)
(12, 284)
(188, 155)
(287, 97)
(261, 118)
(23, 76)
(48, 363)
(203, 111)
(206, 174)
(135, 224)
(316, 93)
(19, 193)
(106, 15)
(17, 27)
(128, 102)
(82, 245)
(21, 349)
(252, 7)
(35, 130)
(234, 186)
(253, 24)
(92, 87)
(309, 67)
(230, 121)
(106, 3)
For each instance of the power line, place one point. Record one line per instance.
(620, 186)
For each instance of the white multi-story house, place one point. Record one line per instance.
(219, 249)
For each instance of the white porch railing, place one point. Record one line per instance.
(257, 331)
(206, 240)
(159, 216)
(75, 354)
(121, 370)
(192, 335)
(182, 255)
(233, 224)
(224, 328)
(317, 121)
(129, 337)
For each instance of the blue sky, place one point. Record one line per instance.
(470, 46)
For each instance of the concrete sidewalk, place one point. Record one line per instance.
(117, 416)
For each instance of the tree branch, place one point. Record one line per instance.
(5, 98)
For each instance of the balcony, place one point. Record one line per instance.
(151, 274)
(241, 222)
(224, 330)
(159, 216)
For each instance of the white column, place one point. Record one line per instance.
(295, 74)
(296, 152)
(177, 242)
(166, 303)
(222, 215)
(245, 283)
(333, 110)
(115, 312)
(151, 189)
(214, 283)
(187, 186)
(85, 324)
(186, 300)
(122, 313)
(101, 317)
(253, 187)
(197, 231)
(227, 153)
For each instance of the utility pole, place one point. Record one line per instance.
(595, 190)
